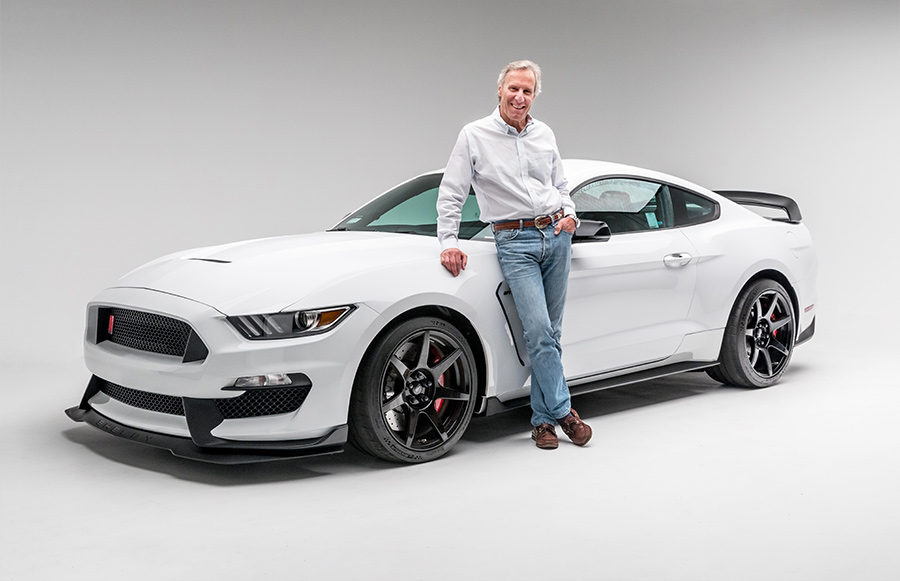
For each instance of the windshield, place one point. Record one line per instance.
(411, 208)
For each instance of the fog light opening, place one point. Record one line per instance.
(267, 380)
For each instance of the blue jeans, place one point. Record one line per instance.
(535, 264)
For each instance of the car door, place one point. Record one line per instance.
(628, 297)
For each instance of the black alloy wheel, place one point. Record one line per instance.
(415, 392)
(759, 337)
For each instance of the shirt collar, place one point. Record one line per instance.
(507, 128)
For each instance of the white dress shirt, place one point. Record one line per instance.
(515, 175)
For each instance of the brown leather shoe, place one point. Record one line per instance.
(544, 437)
(579, 432)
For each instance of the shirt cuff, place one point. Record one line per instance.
(449, 242)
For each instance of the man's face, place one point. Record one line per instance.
(516, 95)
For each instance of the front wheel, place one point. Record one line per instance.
(414, 393)
(759, 337)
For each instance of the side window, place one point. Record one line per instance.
(690, 208)
(626, 205)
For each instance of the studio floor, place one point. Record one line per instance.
(684, 479)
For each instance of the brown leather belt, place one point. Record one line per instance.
(539, 222)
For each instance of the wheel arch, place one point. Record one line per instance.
(781, 279)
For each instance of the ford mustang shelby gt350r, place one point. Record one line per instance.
(291, 346)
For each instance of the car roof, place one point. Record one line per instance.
(579, 171)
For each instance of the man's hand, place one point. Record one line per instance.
(454, 260)
(567, 224)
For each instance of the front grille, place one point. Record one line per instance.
(146, 331)
(155, 402)
(263, 402)
(251, 404)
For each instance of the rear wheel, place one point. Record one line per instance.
(414, 393)
(759, 337)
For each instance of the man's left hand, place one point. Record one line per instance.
(567, 224)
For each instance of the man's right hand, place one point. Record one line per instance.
(454, 260)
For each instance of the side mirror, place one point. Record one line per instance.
(592, 230)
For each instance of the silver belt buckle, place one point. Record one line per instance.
(539, 222)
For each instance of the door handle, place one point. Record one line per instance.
(677, 259)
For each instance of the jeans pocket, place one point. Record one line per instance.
(502, 236)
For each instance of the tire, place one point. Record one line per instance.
(716, 374)
(415, 392)
(759, 337)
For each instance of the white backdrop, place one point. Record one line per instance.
(134, 128)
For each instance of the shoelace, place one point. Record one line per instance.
(541, 430)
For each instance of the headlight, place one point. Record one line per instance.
(292, 324)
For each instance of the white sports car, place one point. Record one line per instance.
(293, 346)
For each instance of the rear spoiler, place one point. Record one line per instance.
(767, 201)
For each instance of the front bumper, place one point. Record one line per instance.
(203, 417)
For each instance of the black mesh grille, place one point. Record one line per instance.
(255, 403)
(263, 402)
(148, 331)
(164, 404)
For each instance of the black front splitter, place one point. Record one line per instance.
(225, 451)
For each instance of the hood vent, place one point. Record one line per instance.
(211, 260)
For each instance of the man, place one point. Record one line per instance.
(512, 162)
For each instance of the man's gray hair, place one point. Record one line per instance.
(522, 66)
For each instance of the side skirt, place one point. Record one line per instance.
(495, 406)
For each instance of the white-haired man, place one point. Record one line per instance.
(512, 162)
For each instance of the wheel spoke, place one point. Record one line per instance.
(759, 308)
(450, 394)
(412, 424)
(767, 360)
(778, 346)
(445, 363)
(754, 357)
(401, 367)
(392, 403)
(423, 351)
(780, 323)
(772, 307)
(436, 422)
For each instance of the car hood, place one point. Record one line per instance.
(270, 274)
